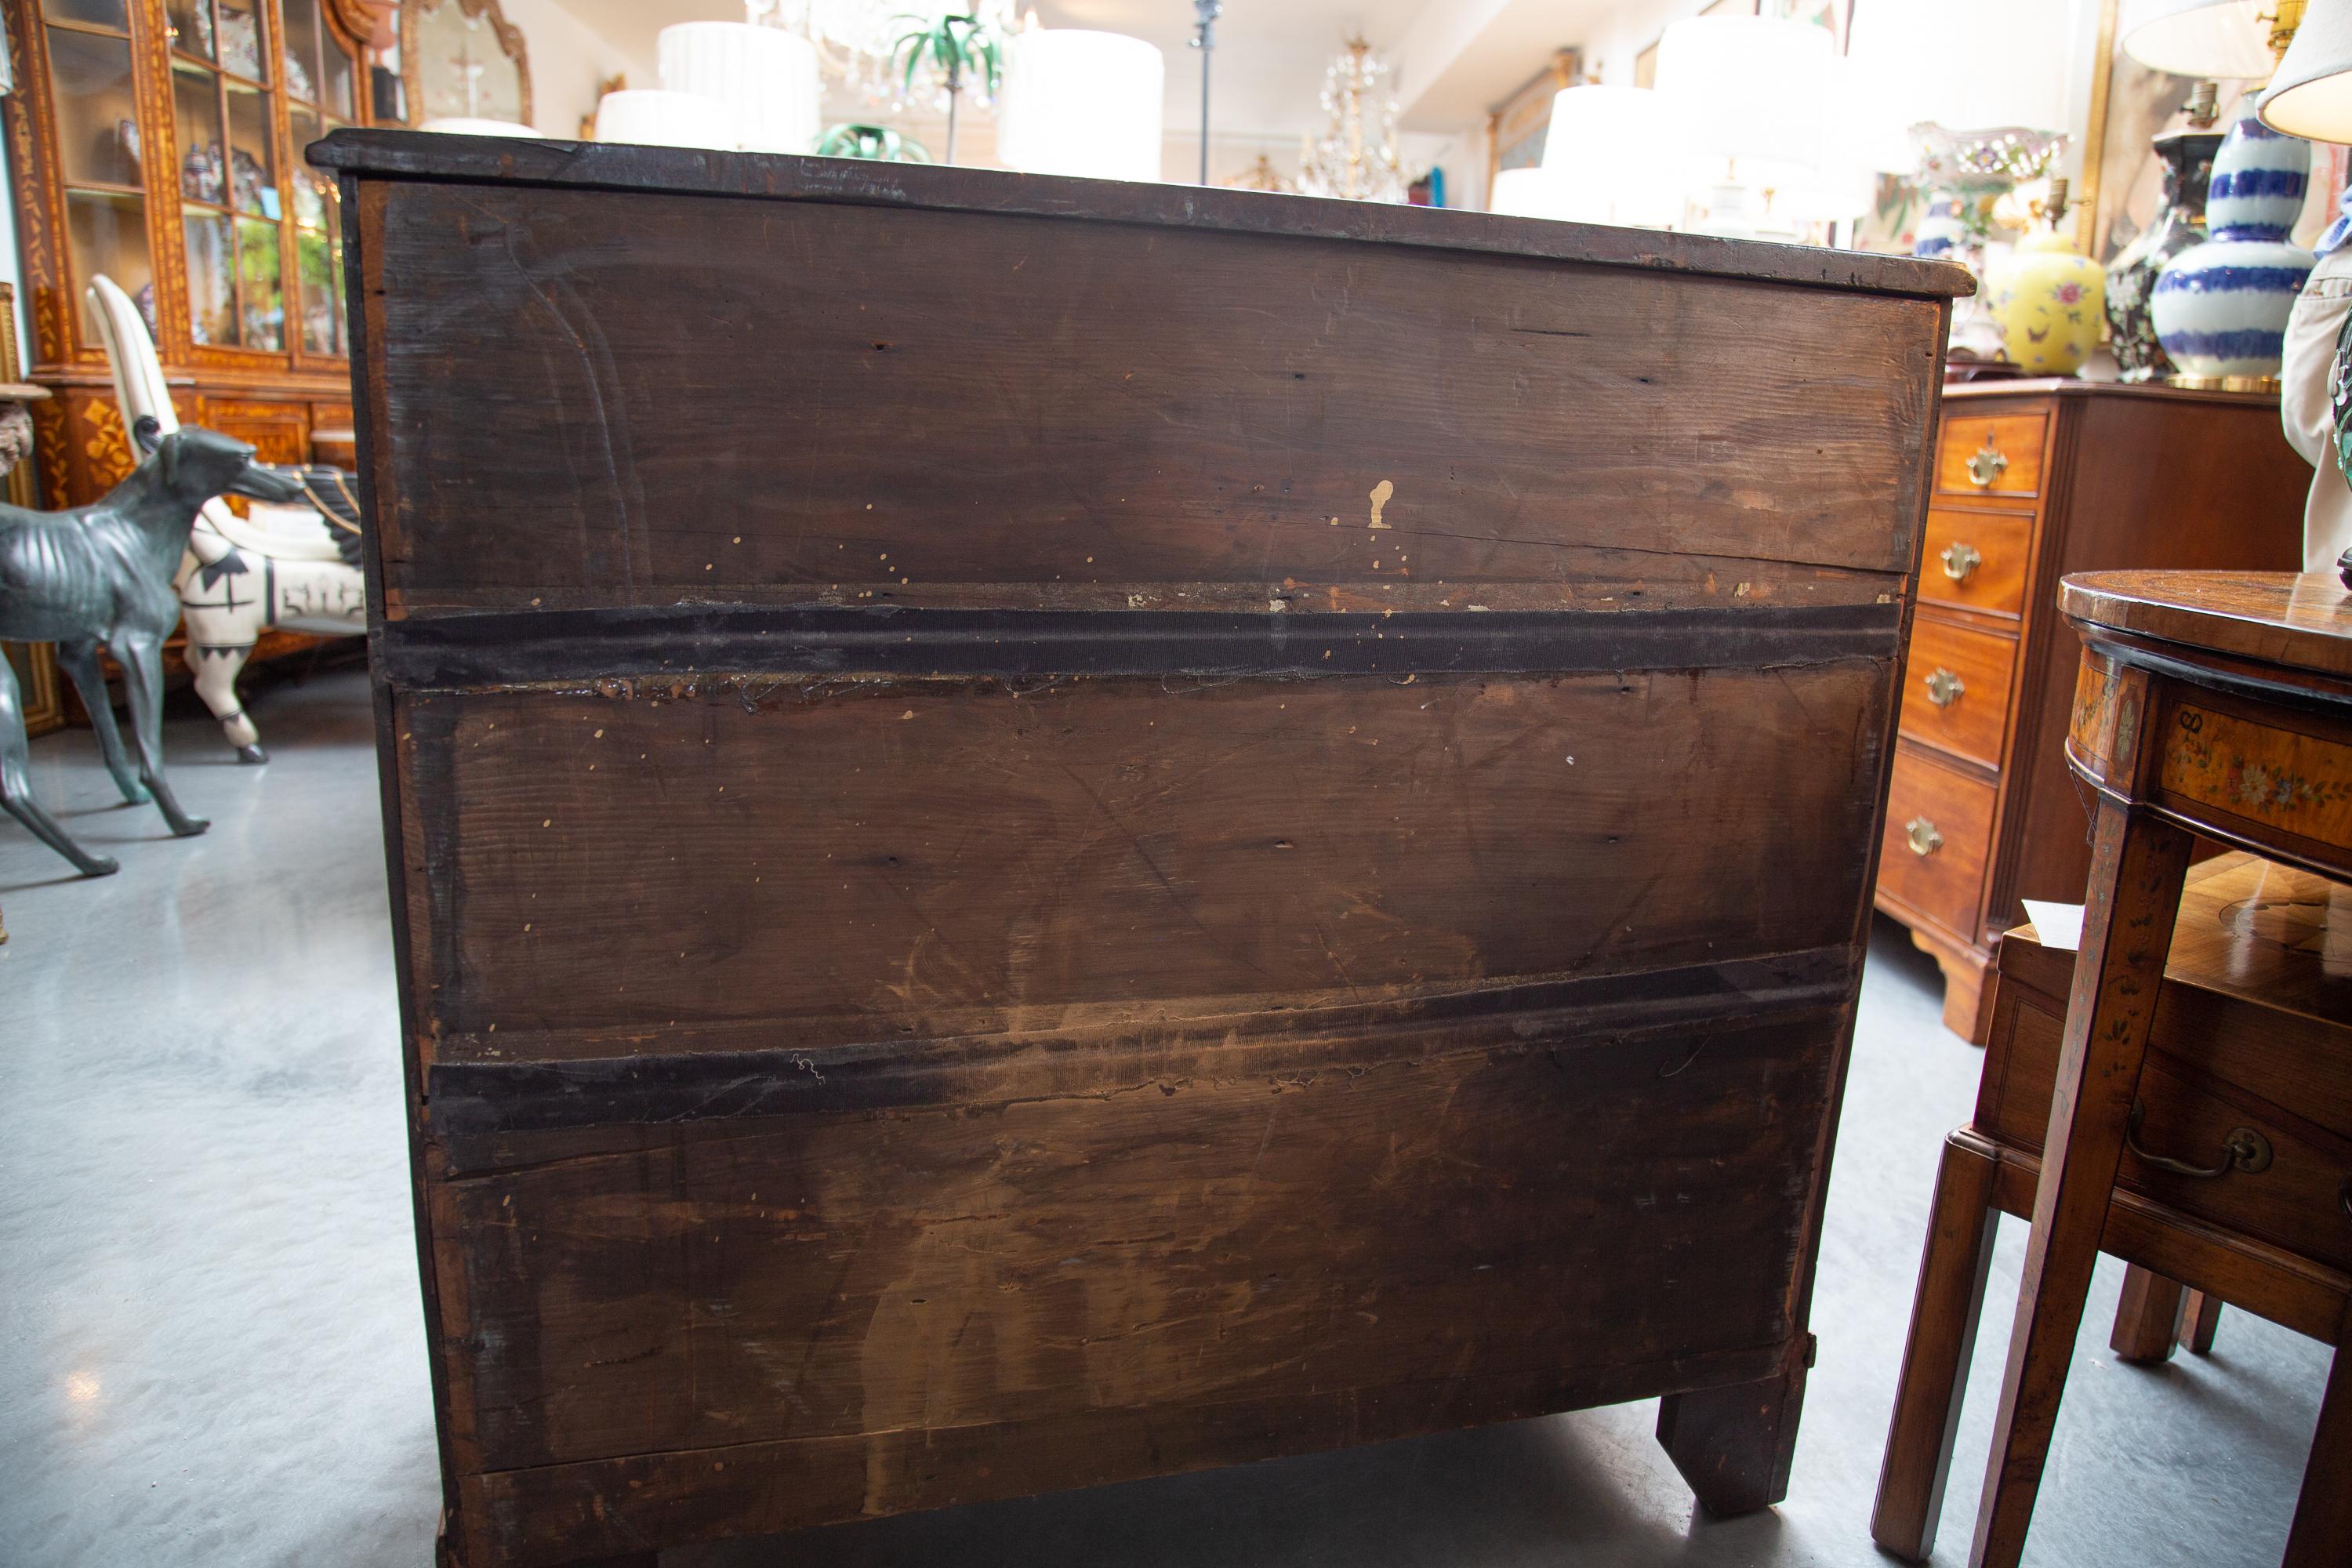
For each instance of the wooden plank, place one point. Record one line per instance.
(401, 155)
(948, 858)
(551, 1516)
(1234, 1235)
(1111, 417)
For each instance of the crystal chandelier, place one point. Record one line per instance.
(1357, 155)
(856, 39)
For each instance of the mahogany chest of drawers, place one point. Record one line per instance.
(2035, 479)
(1069, 831)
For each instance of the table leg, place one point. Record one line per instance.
(1944, 1316)
(2201, 1315)
(2138, 863)
(2148, 1317)
(2323, 1514)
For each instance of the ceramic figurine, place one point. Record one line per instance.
(2178, 223)
(101, 574)
(2047, 298)
(2220, 308)
(1939, 230)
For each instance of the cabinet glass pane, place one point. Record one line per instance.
(263, 318)
(211, 275)
(195, 110)
(240, 39)
(301, 49)
(317, 225)
(108, 233)
(102, 13)
(191, 22)
(98, 118)
(340, 74)
(253, 172)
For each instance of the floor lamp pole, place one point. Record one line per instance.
(1204, 38)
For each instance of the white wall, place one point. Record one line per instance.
(567, 59)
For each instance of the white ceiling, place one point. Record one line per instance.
(1271, 54)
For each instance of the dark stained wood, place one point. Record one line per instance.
(2278, 618)
(2200, 1320)
(1734, 1445)
(397, 154)
(1069, 832)
(2129, 477)
(2147, 1317)
(1945, 1314)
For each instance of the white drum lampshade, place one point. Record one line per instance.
(2311, 97)
(1746, 88)
(1612, 157)
(1533, 192)
(2200, 38)
(763, 78)
(458, 125)
(1081, 102)
(654, 118)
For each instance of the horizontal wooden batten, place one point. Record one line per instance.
(447, 652)
(473, 1089)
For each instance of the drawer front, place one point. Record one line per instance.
(1977, 559)
(1990, 454)
(1939, 827)
(1956, 694)
(2193, 1103)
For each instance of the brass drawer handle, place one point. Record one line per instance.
(1986, 466)
(1959, 560)
(1944, 688)
(1921, 834)
(2243, 1149)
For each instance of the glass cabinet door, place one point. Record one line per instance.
(321, 88)
(96, 105)
(230, 209)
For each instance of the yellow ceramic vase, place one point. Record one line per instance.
(2050, 301)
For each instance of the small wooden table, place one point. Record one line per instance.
(2209, 703)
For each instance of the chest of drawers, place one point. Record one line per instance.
(2035, 479)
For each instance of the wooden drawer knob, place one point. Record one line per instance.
(1921, 834)
(1944, 688)
(1985, 465)
(1959, 560)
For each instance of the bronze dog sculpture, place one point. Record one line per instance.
(102, 573)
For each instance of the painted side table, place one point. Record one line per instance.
(2213, 704)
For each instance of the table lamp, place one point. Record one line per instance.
(1076, 101)
(1745, 97)
(764, 80)
(2220, 309)
(1609, 157)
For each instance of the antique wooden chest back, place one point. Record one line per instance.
(1044, 832)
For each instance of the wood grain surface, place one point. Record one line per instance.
(1045, 833)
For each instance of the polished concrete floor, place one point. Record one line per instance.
(211, 1352)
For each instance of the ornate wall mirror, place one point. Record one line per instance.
(462, 59)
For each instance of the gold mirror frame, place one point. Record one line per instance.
(510, 44)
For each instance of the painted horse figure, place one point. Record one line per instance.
(102, 574)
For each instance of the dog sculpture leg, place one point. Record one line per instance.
(217, 672)
(16, 784)
(141, 653)
(79, 661)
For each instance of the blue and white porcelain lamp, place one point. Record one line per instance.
(2220, 309)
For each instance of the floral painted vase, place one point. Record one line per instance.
(2048, 299)
(2178, 223)
(2220, 308)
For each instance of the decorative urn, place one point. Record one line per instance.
(2047, 299)
(2178, 223)
(2220, 308)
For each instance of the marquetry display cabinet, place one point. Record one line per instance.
(2035, 479)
